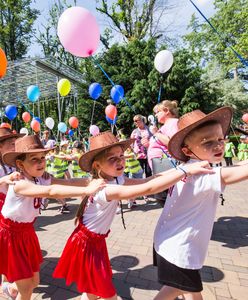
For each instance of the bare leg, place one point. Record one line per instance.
(193, 296)
(168, 293)
(26, 286)
(87, 296)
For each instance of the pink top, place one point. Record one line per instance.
(141, 136)
(155, 147)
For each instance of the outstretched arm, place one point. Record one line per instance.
(234, 174)
(10, 179)
(134, 181)
(72, 182)
(159, 182)
(26, 188)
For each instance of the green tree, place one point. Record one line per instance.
(223, 91)
(232, 32)
(135, 19)
(16, 27)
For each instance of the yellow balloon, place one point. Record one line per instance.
(64, 87)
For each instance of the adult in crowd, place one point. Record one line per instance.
(166, 113)
(142, 136)
(45, 137)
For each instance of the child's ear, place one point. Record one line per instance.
(187, 151)
(19, 165)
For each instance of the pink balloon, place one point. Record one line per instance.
(78, 31)
(94, 130)
(245, 118)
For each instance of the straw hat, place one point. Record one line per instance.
(25, 145)
(98, 143)
(193, 119)
(64, 143)
(6, 133)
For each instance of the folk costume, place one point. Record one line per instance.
(85, 259)
(19, 246)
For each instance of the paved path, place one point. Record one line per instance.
(225, 274)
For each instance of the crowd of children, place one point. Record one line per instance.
(97, 176)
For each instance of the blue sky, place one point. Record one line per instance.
(178, 18)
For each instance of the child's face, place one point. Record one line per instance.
(113, 163)
(206, 143)
(34, 164)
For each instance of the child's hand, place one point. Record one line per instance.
(94, 186)
(201, 167)
(11, 178)
(46, 175)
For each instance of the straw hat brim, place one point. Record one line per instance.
(222, 115)
(12, 135)
(86, 159)
(9, 158)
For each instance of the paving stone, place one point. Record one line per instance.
(225, 274)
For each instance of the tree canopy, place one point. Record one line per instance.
(16, 27)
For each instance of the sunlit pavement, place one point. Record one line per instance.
(225, 274)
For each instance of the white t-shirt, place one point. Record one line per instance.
(100, 212)
(22, 209)
(3, 187)
(184, 228)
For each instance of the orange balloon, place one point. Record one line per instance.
(111, 111)
(26, 117)
(73, 121)
(5, 125)
(35, 125)
(3, 63)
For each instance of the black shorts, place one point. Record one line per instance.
(171, 275)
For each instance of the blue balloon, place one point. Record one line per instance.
(117, 93)
(113, 122)
(62, 127)
(71, 132)
(95, 90)
(11, 112)
(33, 93)
(37, 119)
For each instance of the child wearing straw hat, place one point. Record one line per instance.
(19, 247)
(184, 228)
(85, 258)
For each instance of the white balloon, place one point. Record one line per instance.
(151, 119)
(24, 131)
(49, 123)
(163, 61)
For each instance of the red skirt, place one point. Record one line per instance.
(19, 250)
(2, 200)
(85, 261)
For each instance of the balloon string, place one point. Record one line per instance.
(111, 81)
(92, 114)
(25, 107)
(243, 61)
(159, 93)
